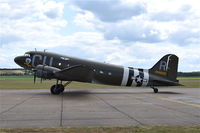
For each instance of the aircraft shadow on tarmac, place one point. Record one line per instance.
(86, 92)
(169, 92)
(83, 93)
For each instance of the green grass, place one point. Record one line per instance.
(190, 83)
(9, 84)
(26, 82)
(27, 77)
(131, 129)
(188, 78)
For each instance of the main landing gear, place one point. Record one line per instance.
(154, 89)
(59, 88)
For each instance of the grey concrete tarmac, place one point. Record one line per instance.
(99, 107)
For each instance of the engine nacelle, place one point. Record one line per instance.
(46, 72)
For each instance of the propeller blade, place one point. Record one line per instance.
(34, 75)
(41, 80)
(34, 78)
(42, 73)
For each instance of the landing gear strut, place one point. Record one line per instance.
(155, 89)
(59, 88)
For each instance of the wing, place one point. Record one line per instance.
(75, 73)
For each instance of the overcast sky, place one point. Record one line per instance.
(126, 32)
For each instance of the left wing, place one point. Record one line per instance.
(75, 73)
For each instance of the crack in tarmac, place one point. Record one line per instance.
(61, 111)
(120, 111)
(172, 109)
(23, 101)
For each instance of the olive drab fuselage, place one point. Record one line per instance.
(103, 73)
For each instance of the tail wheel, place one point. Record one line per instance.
(57, 89)
(155, 90)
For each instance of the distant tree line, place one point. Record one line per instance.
(11, 72)
(15, 72)
(188, 74)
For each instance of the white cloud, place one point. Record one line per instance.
(26, 21)
(85, 19)
(53, 9)
(180, 15)
(111, 10)
(124, 32)
(135, 29)
(160, 21)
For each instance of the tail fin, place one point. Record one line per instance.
(166, 67)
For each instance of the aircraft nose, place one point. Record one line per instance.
(16, 59)
(20, 60)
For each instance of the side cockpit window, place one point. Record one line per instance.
(27, 55)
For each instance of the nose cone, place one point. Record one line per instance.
(17, 59)
(20, 60)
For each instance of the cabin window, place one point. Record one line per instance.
(101, 72)
(109, 73)
(59, 64)
(64, 58)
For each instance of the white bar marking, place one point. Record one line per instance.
(125, 76)
(146, 77)
(168, 62)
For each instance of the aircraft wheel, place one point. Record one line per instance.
(155, 90)
(61, 87)
(57, 89)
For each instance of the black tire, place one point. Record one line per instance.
(57, 89)
(155, 90)
(61, 87)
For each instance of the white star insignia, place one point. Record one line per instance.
(139, 79)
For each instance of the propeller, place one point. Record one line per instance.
(40, 80)
(34, 75)
(42, 73)
(34, 78)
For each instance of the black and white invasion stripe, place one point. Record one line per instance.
(135, 77)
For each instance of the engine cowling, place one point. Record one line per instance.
(46, 72)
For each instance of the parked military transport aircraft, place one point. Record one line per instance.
(48, 65)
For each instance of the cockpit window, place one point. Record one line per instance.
(27, 55)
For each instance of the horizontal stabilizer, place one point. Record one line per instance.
(166, 82)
